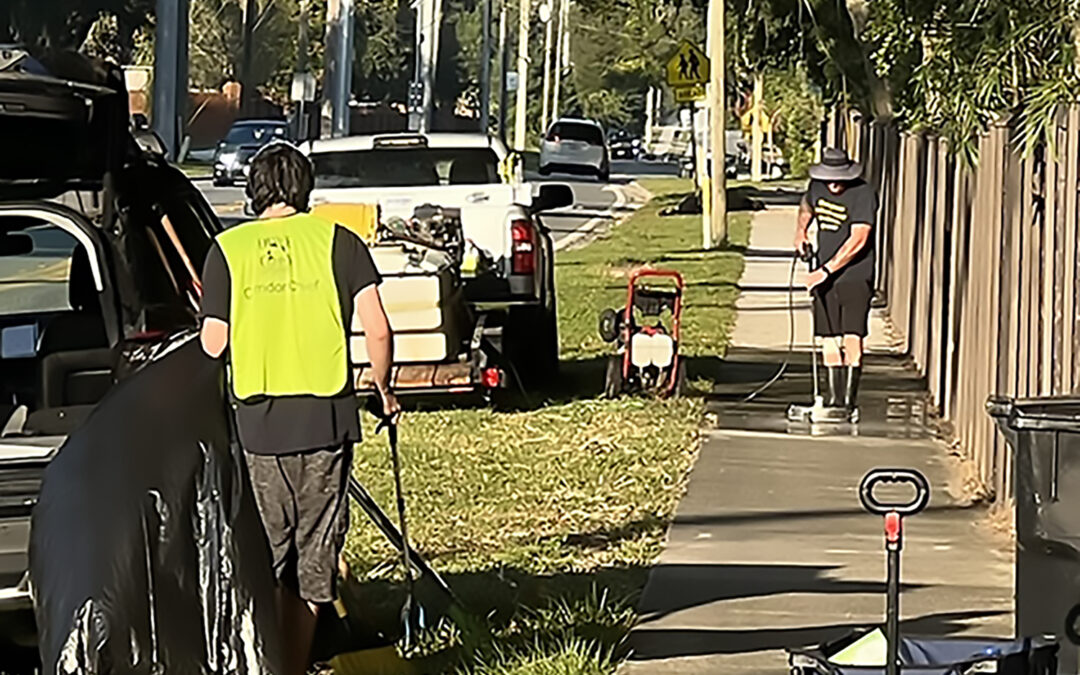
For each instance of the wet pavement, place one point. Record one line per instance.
(892, 405)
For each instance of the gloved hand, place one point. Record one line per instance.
(385, 408)
(806, 252)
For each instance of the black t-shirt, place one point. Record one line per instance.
(287, 424)
(835, 214)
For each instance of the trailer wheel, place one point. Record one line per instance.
(613, 379)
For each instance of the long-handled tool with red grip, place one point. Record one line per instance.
(894, 514)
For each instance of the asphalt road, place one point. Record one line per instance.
(594, 202)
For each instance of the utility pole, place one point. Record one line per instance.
(757, 157)
(485, 70)
(718, 233)
(170, 73)
(548, 17)
(422, 89)
(432, 29)
(339, 38)
(303, 88)
(504, 65)
(562, 50)
(247, 72)
(523, 75)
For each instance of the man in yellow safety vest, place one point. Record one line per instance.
(279, 293)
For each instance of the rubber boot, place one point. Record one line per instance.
(851, 388)
(836, 387)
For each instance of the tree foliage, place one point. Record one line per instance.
(951, 67)
(954, 67)
(65, 24)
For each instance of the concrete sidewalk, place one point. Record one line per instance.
(770, 547)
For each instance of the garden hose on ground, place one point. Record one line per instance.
(791, 340)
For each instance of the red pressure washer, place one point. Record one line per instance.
(648, 355)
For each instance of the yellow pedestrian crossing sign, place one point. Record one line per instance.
(688, 66)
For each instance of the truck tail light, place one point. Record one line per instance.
(523, 235)
(491, 378)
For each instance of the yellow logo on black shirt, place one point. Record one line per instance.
(830, 215)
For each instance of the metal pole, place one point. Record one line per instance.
(523, 75)
(650, 110)
(560, 38)
(893, 544)
(549, 26)
(170, 73)
(485, 70)
(432, 31)
(756, 138)
(504, 64)
(339, 28)
(303, 126)
(247, 70)
(699, 141)
(717, 125)
(416, 87)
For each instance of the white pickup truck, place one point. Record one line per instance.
(482, 321)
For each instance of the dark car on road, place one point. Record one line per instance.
(624, 145)
(246, 137)
(101, 244)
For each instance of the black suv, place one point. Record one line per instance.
(101, 246)
(246, 137)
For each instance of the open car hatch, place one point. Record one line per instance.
(61, 126)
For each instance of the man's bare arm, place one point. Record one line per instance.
(856, 241)
(806, 214)
(380, 343)
(214, 336)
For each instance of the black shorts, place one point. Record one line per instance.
(305, 511)
(842, 308)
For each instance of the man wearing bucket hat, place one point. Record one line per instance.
(843, 209)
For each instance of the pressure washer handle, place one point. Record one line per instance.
(910, 476)
(894, 513)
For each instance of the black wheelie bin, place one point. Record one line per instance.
(1044, 434)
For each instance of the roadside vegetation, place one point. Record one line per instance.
(545, 519)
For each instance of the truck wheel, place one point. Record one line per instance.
(613, 382)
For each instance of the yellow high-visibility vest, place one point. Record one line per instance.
(286, 334)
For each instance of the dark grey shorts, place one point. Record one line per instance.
(305, 511)
(842, 308)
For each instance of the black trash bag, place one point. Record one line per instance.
(147, 554)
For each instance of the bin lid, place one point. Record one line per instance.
(1051, 413)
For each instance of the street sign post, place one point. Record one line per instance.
(688, 71)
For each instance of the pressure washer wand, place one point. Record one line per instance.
(809, 255)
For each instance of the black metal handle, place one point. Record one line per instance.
(909, 476)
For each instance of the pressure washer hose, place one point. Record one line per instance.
(791, 340)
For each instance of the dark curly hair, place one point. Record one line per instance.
(279, 173)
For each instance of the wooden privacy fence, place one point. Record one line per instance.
(978, 270)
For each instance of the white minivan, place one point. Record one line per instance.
(575, 146)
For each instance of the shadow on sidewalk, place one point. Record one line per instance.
(695, 585)
(671, 643)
